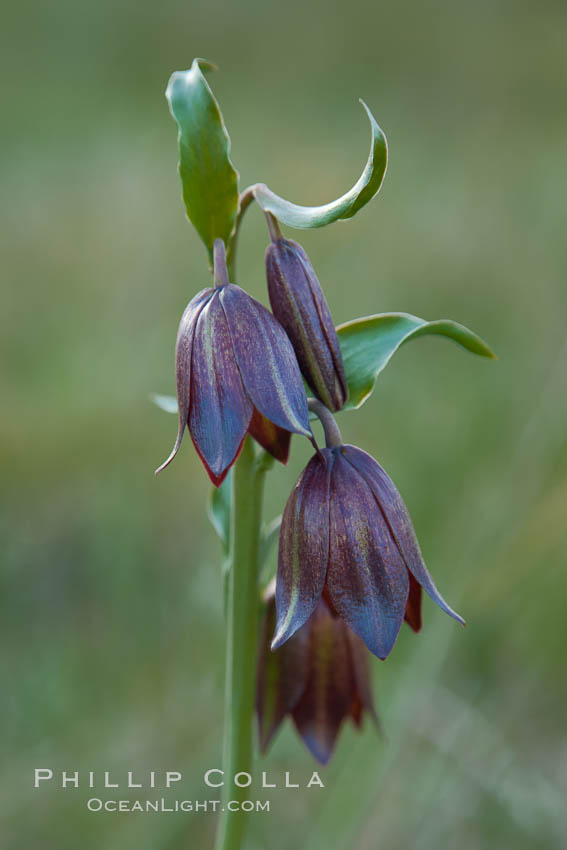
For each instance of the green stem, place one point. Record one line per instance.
(241, 640)
(246, 198)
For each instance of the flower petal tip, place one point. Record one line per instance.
(455, 616)
(283, 634)
(169, 459)
(277, 641)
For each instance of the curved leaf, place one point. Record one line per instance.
(208, 177)
(344, 207)
(367, 345)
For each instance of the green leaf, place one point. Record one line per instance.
(344, 207)
(220, 509)
(208, 177)
(270, 534)
(368, 344)
(165, 402)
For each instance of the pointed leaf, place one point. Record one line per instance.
(208, 177)
(219, 510)
(368, 344)
(344, 207)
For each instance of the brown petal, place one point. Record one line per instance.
(360, 660)
(282, 676)
(330, 689)
(271, 437)
(413, 608)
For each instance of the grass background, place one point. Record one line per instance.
(112, 629)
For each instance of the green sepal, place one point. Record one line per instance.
(368, 344)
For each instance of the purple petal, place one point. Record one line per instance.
(220, 409)
(367, 579)
(266, 361)
(282, 676)
(183, 348)
(304, 548)
(330, 688)
(399, 521)
(299, 304)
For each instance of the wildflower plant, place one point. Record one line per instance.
(350, 569)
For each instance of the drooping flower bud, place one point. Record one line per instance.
(299, 304)
(236, 373)
(346, 535)
(320, 678)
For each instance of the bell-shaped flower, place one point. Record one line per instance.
(236, 373)
(346, 535)
(320, 677)
(299, 304)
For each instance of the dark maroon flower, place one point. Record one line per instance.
(299, 304)
(346, 535)
(320, 677)
(236, 373)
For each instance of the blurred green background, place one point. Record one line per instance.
(112, 647)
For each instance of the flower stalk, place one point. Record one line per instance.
(241, 639)
(333, 437)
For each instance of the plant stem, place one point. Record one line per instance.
(333, 437)
(246, 198)
(273, 227)
(241, 640)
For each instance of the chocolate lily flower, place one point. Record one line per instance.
(299, 304)
(236, 373)
(346, 535)
(320, 677)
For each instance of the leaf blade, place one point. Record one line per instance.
(369, 343)
(366, 187)
(208, 177)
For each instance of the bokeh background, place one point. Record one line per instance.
(111, 614)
